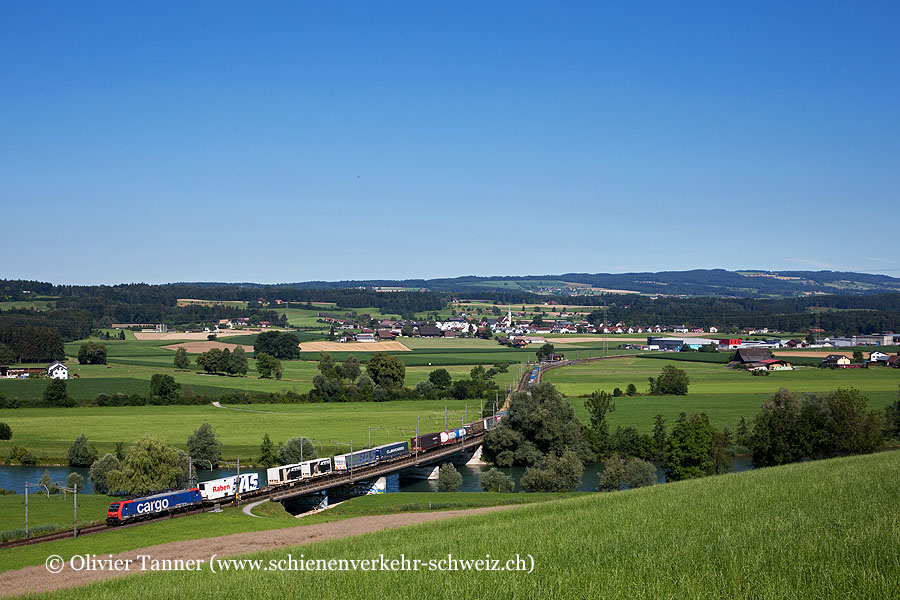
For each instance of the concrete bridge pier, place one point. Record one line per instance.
(429, 472)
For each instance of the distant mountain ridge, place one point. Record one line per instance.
(745, 283)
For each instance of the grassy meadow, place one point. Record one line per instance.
(718, 537)
(230, 520)
(47, 512)
(724, 394)
(48, 432)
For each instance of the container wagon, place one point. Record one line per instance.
(280, 474)
(391, 451)
(452, 435)
(227, 487)
(357, 459)
(425, 442)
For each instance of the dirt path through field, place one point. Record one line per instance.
(35, 580)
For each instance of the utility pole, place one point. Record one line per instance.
(27, 485)
(445, 417)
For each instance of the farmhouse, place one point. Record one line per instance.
(57, 370)
(429, 331)
(836, 361)
(384, 334)
(878, 357)
(746, 356)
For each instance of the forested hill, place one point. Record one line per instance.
(698, 282)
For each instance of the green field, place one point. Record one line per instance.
(46, 512)
(39, 305)
(132, 363)
(823, 530)
(48, 432)
(724, 394)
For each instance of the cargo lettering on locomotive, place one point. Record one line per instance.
(152, 506)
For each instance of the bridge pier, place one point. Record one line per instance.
(475, 459)
(430, 472)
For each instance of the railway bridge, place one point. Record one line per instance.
(339, 479)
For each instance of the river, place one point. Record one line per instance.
(14, 477)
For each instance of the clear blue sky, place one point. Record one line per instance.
(276, 142)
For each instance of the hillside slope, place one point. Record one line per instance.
(826, 529)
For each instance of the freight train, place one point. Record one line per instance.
(167, 503)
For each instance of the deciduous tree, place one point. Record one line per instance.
(204, 447)
(80, 454)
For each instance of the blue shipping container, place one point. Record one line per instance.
(392, 451)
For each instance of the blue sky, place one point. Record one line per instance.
(276, 142)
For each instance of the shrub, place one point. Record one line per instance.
(449, 479)
(296, 449)
(5, 432)
(75, 479)
(638, 473)
(57, 394)
(163, 386)
(80, 454)
(554, 473)
(613, 473)
(494, 480)
(671, 381)
(92, 353)
(46, 480)
(101, 469)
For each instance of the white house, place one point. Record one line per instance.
(58, 371)
(877, 356)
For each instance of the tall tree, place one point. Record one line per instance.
(599, 405)
(164, 386)
(268, 366)
(440, 378)
(57, 394)
(690, 450)
(350, 369)
(92, 353)
(295, 450)
(386, 370)
(149, 465)
(267, 453)
(204, 447)
(238, 362)
(100, 469)
(540, 421)
(659, 437)
(181, 359)
(80, 454)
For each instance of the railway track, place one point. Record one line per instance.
(282, 492)
(92, 529)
